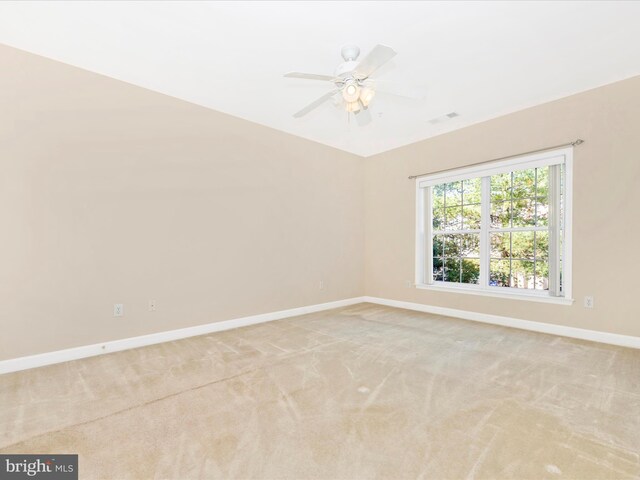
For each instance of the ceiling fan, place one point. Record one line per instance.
(352, 80)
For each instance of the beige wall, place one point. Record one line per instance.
(606, 224)
(110, 193)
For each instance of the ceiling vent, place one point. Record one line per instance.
(443, 118)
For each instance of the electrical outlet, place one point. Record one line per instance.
(118, 309)
(408, 283)
(321, 285)
(588, 302)
(152, 305)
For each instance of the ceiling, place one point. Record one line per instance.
(479, 59)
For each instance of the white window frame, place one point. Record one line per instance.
(424, 222)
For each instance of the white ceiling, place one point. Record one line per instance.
(480, 59)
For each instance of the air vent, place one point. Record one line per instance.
(443, 118)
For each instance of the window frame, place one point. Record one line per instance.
(424, 226)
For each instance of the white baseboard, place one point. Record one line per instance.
(32, 361)
(59, 356)
(553, 329)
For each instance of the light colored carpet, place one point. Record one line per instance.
(360, 392)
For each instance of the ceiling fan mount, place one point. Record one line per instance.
(352, 81)
(350, 52)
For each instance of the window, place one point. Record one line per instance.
(502, 228)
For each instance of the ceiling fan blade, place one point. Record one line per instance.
(399, 89)
(363, 117)
(309, 76)
(315, 104)
(377, 57)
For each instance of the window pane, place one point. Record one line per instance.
(524, 184)
(453, 193)
(521, 274)
(499, 273)
(542, 276)
(542, 212)
(500, 245)
(500, 188)
(472, 190)
(438, 269)
(470, 245)
(524, 213)
(471, 217)
(453, 219)
(438, 245)
(452, 270)
(437, 196)
(501, 214)
(451, 245)
(542, 245)
(470, 271)
(438, 218)
(522, 245)
(542, 189)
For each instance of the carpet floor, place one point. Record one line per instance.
(359, 392)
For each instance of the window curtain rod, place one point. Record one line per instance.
(570, 144)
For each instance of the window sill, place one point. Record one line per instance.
(486, 293)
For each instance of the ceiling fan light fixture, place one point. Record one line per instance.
(366, 95)
(350, 91)
(353, 86)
